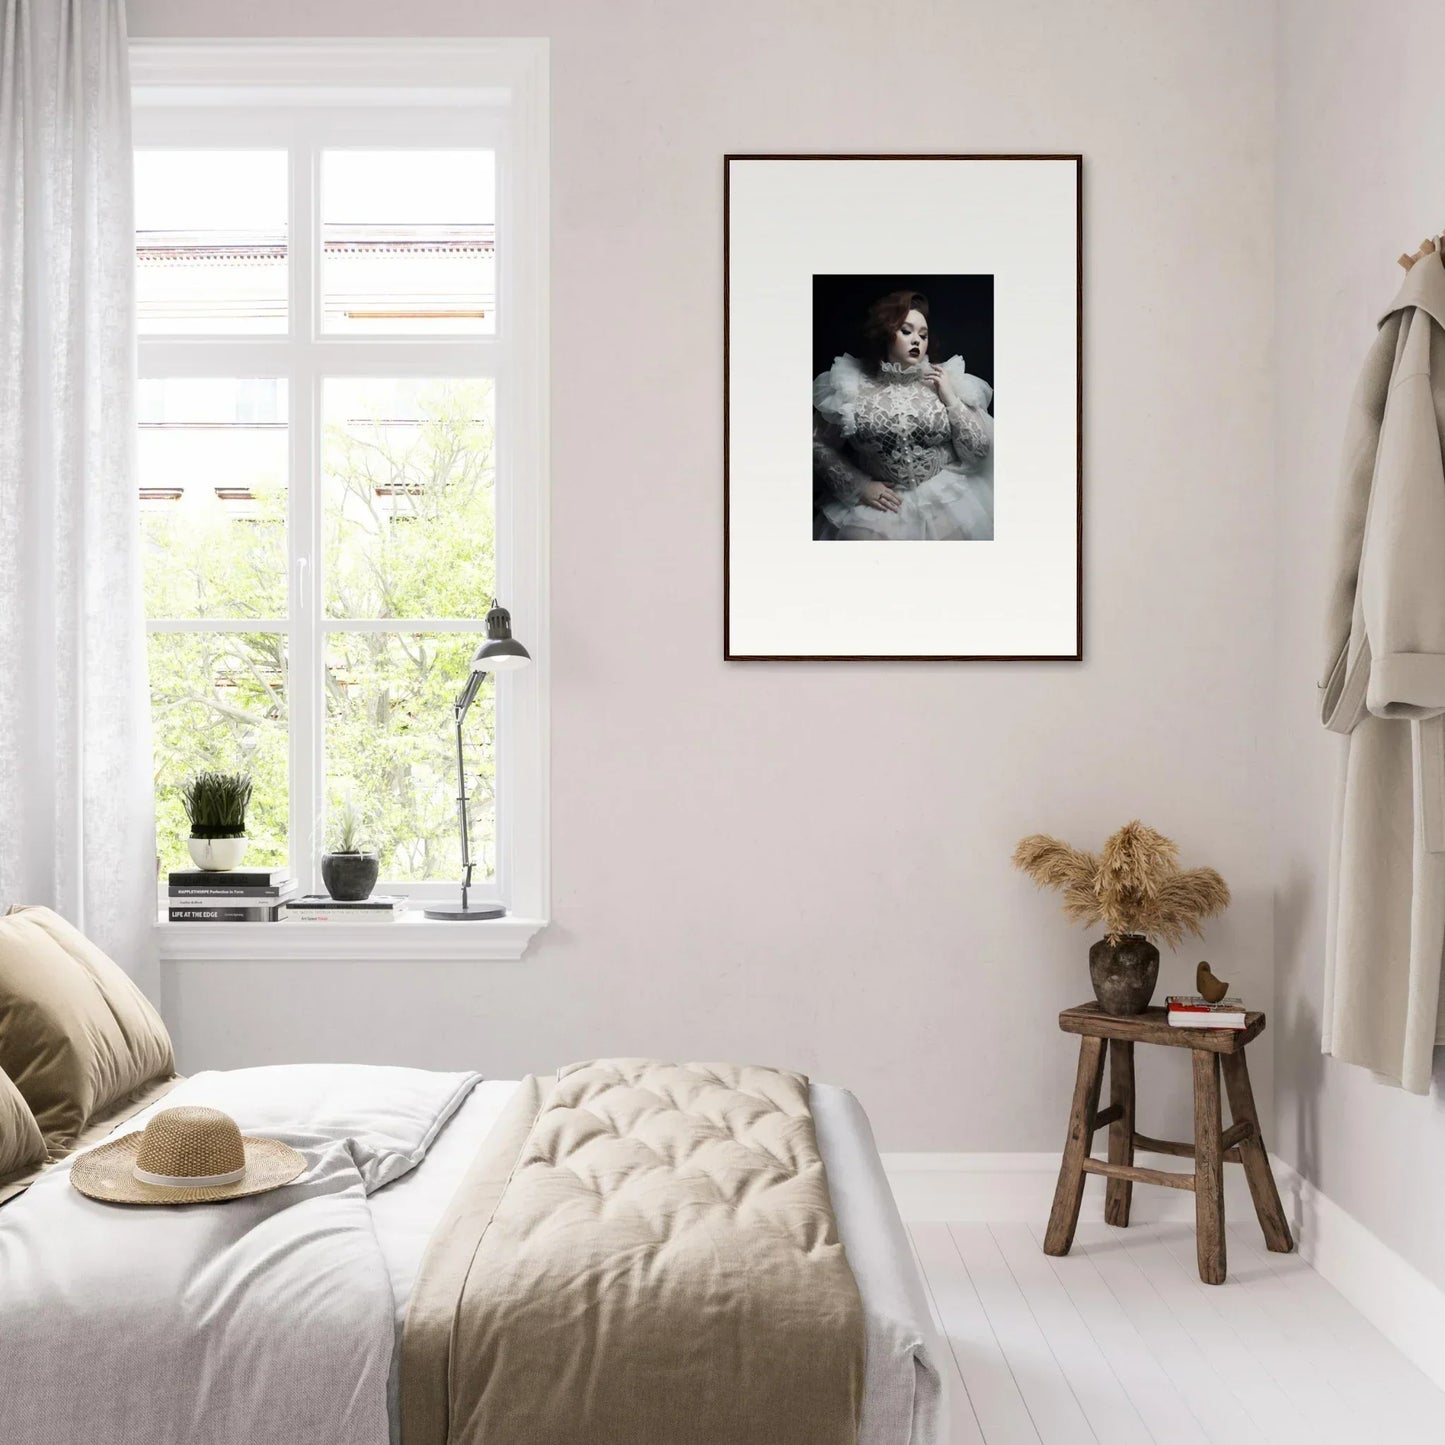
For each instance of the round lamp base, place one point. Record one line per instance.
(454, 912)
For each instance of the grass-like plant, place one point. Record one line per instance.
(1132, 885)
(348, 830)
(216, 804)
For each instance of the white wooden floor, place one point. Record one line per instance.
(1120, 1343)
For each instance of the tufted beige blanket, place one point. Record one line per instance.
(643, 1254)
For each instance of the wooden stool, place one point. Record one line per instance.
(1239, 1144)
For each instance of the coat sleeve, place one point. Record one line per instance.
(1402, 566)
(1346, 671)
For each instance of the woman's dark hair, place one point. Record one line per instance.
(883, 319)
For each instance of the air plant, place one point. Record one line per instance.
(1133, 885)
(348, 829)
(216, 804)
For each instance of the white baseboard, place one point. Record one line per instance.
(1405, 1306)
(1019, 1188)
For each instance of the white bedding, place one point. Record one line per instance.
(264, 1320)
(902, 1402)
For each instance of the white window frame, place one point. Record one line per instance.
(312, 95)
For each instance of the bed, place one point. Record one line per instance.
(623, 1252)
(91, 1288)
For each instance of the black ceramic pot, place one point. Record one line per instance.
(350, 877)
(1124, 973)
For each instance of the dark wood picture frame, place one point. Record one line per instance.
(1078, 654)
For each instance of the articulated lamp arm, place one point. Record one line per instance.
(499, 651)
(460, 707)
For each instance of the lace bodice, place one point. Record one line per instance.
(891, 426)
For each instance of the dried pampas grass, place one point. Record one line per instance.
(1133, 885)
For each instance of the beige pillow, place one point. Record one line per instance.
(22, 1149)
(76, 1035)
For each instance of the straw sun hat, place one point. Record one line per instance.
(186, 1155)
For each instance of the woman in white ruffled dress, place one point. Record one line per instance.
(902, 449)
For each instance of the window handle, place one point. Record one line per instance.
(301, 567)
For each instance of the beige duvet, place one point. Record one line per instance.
(649, 1248)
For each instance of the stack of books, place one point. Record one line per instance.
(318, 908)
(1192, 1011)
(252, 895)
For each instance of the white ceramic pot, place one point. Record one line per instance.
(217, 855)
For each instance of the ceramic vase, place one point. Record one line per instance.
(217, 855)
(350, 877)
(1124, 973)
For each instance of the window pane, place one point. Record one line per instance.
(212, 456)
(408, 495)
(218, 701)
(391, 749)
(210, 241)
(408, 242)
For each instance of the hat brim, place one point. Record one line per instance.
(107, 1173)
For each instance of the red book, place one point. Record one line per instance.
(1190, 1011)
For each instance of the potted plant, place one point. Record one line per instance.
(1136, 889)
(216, 805)
(349, 871)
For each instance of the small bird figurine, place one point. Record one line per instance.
(1210, 988)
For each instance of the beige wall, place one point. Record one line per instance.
(1361, 178)
(808, 864)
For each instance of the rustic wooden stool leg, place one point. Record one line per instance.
(1253, 1156)
(1208, 1169)
(1119, 1193)
(1069, 1193)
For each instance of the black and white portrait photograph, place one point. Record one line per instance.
(902, 363)
(902, 396)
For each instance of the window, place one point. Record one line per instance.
(340, 290)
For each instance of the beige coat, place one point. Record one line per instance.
(1384, 686)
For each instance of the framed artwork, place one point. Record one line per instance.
(902, 363)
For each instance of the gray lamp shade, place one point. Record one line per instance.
(501, 651)
(501, 655)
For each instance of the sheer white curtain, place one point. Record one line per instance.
(75, 763)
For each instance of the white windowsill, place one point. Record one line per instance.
(410, 937)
